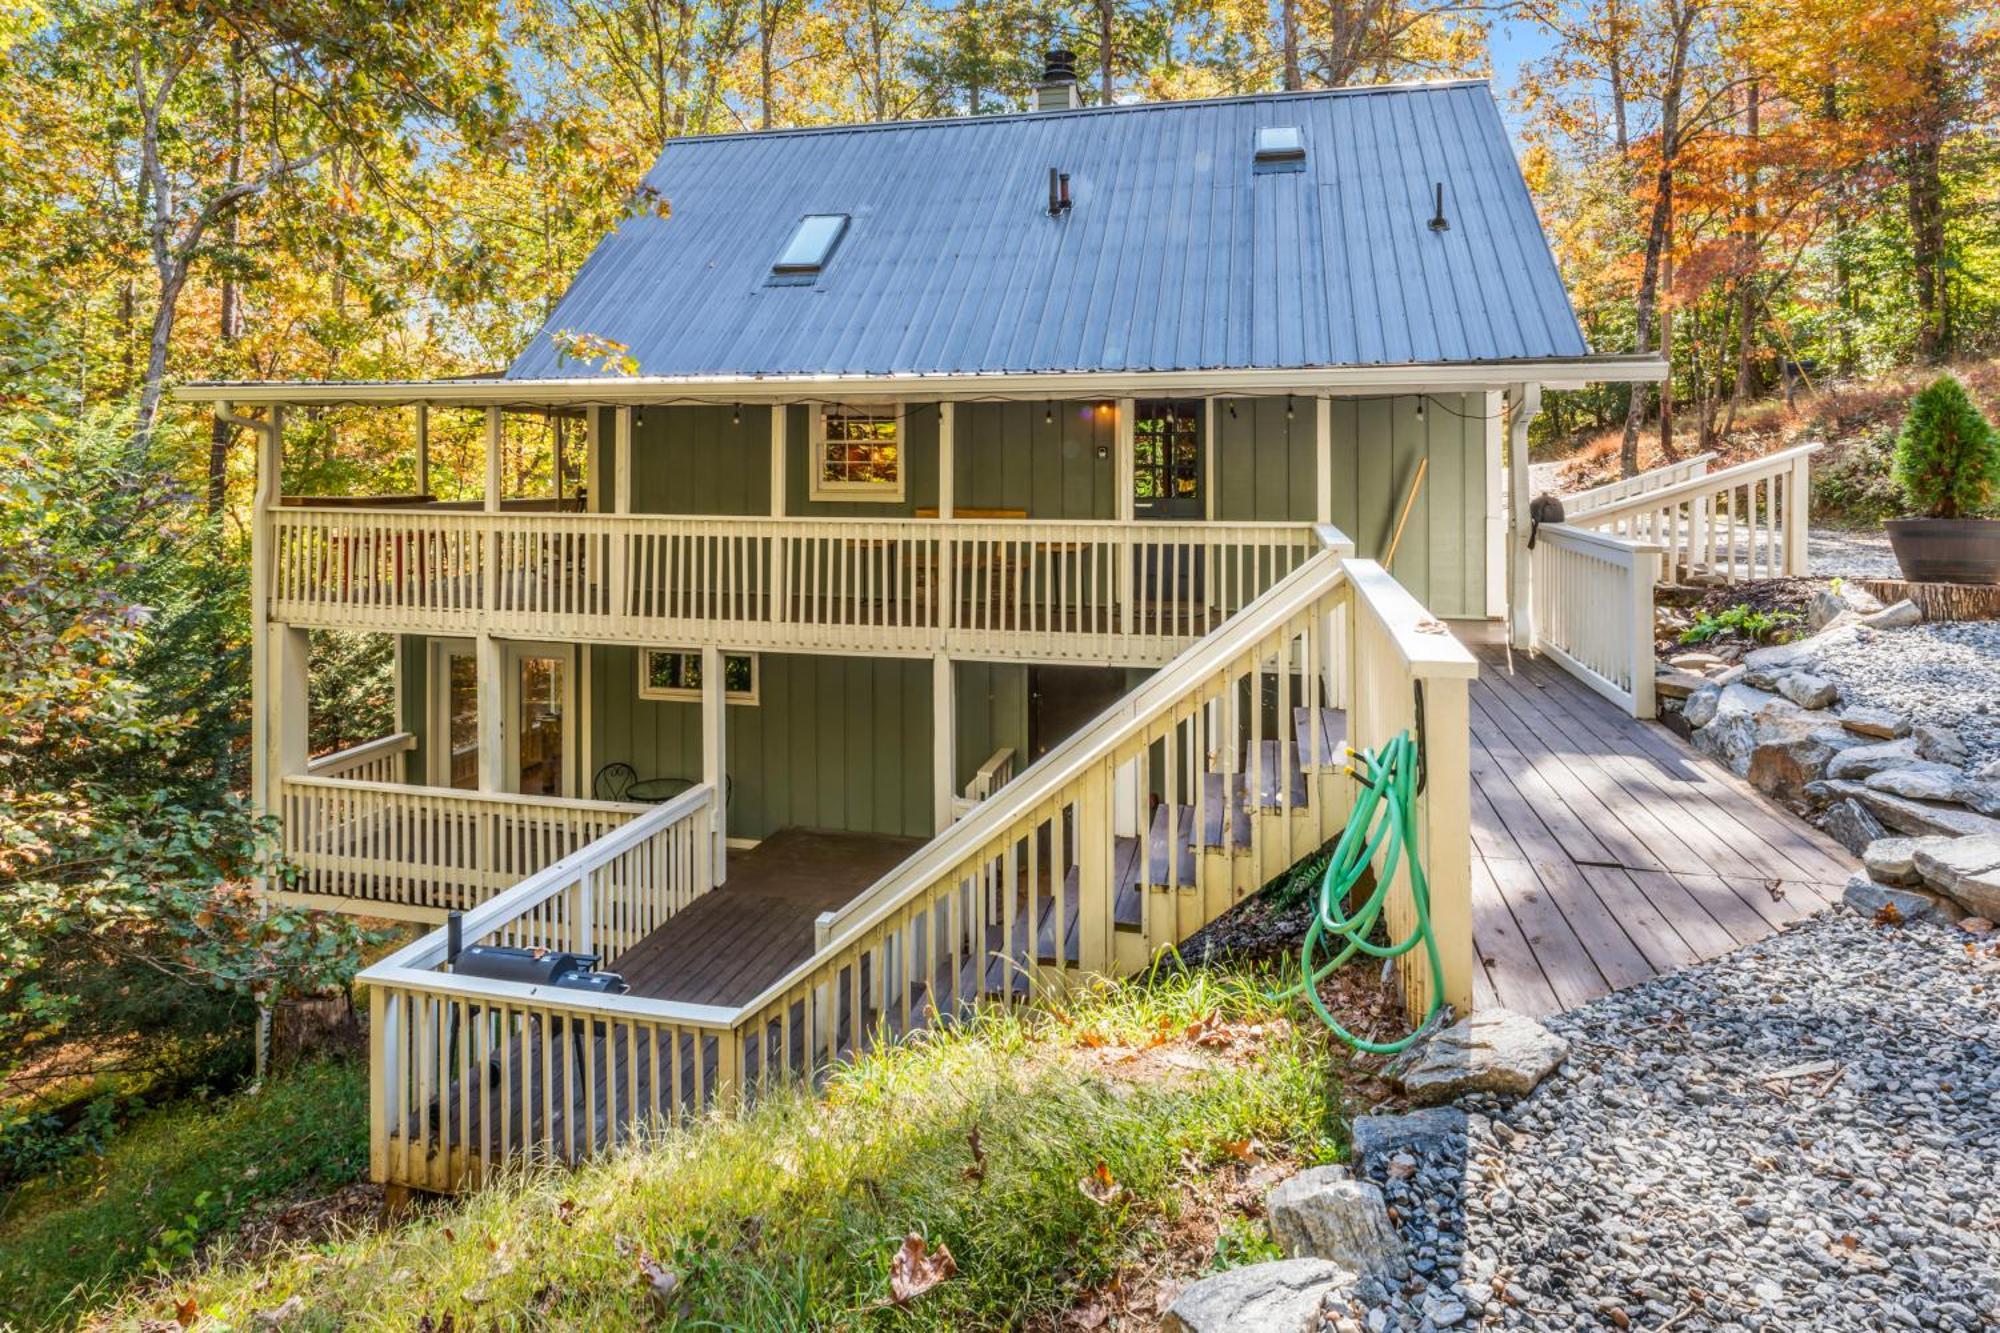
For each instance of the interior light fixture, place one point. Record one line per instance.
(736, 414)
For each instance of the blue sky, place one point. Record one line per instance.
(1512, 44)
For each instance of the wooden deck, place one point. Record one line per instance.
(1605, 850)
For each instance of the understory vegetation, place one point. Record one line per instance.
(171, 1181)
(1066, 1159)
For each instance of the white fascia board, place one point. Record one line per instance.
(639, 389)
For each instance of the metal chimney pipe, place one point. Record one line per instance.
(1055, 192)
(1063, 180)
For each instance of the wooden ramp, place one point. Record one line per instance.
(1606, 850)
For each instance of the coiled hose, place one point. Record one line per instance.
(1384, 822)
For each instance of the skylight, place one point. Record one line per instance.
(1280, 148)
(811, 246)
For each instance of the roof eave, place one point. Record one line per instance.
(600, 391)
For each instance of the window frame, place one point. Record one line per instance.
(684, 694)
(858, 492)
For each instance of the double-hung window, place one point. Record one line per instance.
(673, 673)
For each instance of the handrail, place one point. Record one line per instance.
(934, 524)
(1708, 483)
(354, 756)
(1609, 543)
(1643, 483)
(551, 879)
(461, 794)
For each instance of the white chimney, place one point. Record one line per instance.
(1057, 91)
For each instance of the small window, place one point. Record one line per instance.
(1280, 148)
(675, 673)
(858, 454)
(810, 247)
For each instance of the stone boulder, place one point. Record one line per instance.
(1983, 796)
(1851, 824)
(1828, 603)
(1322, 1214)
(1940, 745)
(1745, 718)
(1882, 723)
(1673, 683)
(1284, 1296)
(1809, 691)
(1966, 870)
(1494, 1051)
(1867, 898)
(1700, 708)
(1919, 781)
(1784, 768)
(1900, 615)
(1894, 860)
(1903, 815)
(1864, 761)
(1439, 1130)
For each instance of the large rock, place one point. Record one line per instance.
(1809, 691)
(1894, 860)
(1987, 772)
(1940, 745)
(1851, 824)
(1672, 683)
(1322, 1214)
(1828, 603)
(1745, 718)
(1439, 1130)
(1285, 1296)
(1883, 723)
(1967, 870)
(1867, 898)
(1781, 659)
(1901, 615)
(1699, 710)
(1783, 768)
(1981, 796)
(1899, 813)
(1494, 1050)
(1863, 761)
(1919, 781)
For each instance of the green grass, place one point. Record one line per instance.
(169, 1181)
(786, 1216)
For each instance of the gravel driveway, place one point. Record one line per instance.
(1852, 554)
(1804, 1134)
(1944, 674)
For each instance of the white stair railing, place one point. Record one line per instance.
(1594, 610)
(1743, 522)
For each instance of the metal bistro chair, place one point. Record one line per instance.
(613, 782)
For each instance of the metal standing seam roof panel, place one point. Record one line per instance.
(1176, 256)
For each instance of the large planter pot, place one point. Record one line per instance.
(1947, 550)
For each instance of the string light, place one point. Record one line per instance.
(1048, 414)
(736, 414)
(1420, 407)
(1288, 407)
(1232, 409)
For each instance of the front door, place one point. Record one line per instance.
(454, 676)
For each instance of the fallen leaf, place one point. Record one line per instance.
(1100, 1188)
(662, 1283)
(916, 1268)
(1093, 1313)
(1090, 1039)
(186, 1311)
(1618, 1317)
(1887, 915)
(1976, 925)
(1246, 1150)
(566, 1211)
(1776, 889)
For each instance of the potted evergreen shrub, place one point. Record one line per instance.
(1948, 466)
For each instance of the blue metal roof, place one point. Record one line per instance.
(1176, 255)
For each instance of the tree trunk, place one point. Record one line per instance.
(1747, 265)
(1924, 190)
(765, 50)
(1658, 230)
(1288, 14)
(1104, 61)
(229, 324)
(153, 387)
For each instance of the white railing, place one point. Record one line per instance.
(417, 853)
(991, 776)
(379, 760)
(1594, 610)
(1239, 739)
(1743, 522)
(1071, 591)
(1655, 479)
(467, 1074)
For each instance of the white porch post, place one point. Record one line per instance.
(715, 753)
(494, 440)
(780, 423)
(944, 740)
(286, 693)
(1496, 507)
(947, 459)
(1322, 459)
(263, 709)
(621, 463)
(1121, 478)
(1526, 402)
(593, 459)
(489, 663)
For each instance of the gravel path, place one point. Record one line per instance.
(1944, 674)
(1847, 553)
(1664, 1175)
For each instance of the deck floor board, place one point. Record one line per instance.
(1605, 850)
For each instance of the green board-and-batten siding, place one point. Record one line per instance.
(832, 743)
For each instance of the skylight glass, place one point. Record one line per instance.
(1279, 143)
(812, 244)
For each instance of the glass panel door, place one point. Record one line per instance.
(1166, 459)
(541, 686)
(455, 716)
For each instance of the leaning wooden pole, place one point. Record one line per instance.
(1409, 503)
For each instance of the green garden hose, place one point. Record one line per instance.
(1389, 779)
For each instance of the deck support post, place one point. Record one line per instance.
(1496, 505)
(714, 754)
(944, 737)
(285, 707)
(947, 497)
(1122, 473)
(488, 654)
(423, 448)
(270, 454)
(1525, 402)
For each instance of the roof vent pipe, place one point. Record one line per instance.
(1057, 91)
(1058, 192)
(1438, 222)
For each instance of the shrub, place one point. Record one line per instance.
(1948, 456)
(1740, 619)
